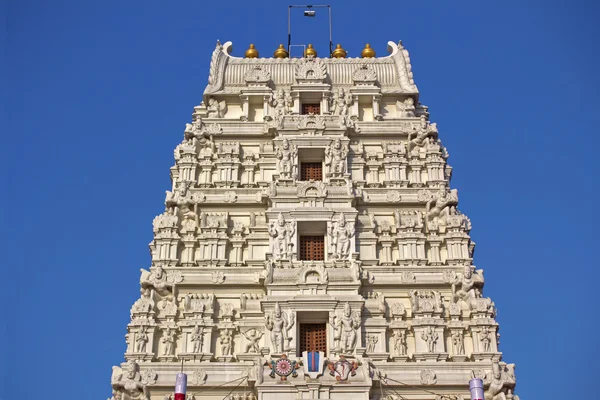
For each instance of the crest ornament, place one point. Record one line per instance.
(342, 369)
(364, 75)
(311, 70)
(283, 367)
(257, 76)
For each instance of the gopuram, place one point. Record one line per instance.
(311, 246)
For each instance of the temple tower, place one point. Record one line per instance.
(311, 245)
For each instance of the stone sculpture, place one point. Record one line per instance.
(279, 324)
(340, 237)
(197, 339)
(141, 340)
(335, 158)
(253, 336)
(345, 327)
(226, 342)
(430, 336)
(283, 235)
(286, 155)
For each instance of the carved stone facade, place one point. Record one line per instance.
(370, 255)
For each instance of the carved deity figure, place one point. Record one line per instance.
(197, 339)
(281, 100)
(464, 288)
(128, 381)
(216, 109)
(442, 205)
(426, 130)
(345, 327)
(141, 340)
(286, 156)
(341, 101)
(426, 301)
(168, 339)
(340, 237)
(371, 343)
(399, 341)
(279, 325)
(188, 223)
(430, 336)
(486, 339)
(157, 280)
(335, 158)
(226, 342)
(500, 381)
(199, 135)
(253, 336)
(282, 234)
(458, 342)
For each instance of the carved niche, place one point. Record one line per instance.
(257, 76)
(311, 70)
(364, 75)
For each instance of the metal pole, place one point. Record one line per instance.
(289, 29)
(330, 39)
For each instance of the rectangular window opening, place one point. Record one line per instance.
(312, 248)
(311, 108)
(313, 337)
(311, 171)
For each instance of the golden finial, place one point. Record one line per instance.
(310, 51)
(367, 52)
(251, 52)
(281, 52)
(339, 52)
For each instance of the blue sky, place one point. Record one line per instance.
(95, 98)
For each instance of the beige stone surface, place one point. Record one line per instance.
(226, 292)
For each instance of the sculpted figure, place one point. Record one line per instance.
(168, 340)
(341, 238)
(216, 109)
(225, 340)
(286, 154)
(430, 336)
(156, 280)
(141, 340)
(253, 336)
(335, 158)
(281, 100)
(501, 380)
(422, 134)
(282, 234)
(341, 102)
(197, 339)
(465, 286)
(399, 341)
(371, 343)
(128, 381)
(458, 341)
(345, 327)
(486, 339)
(199, 135)
(279, 325)
(188, 223)
(442, 205)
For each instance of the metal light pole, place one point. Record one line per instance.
(308, 13)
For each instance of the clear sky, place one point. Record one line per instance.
(96, 96)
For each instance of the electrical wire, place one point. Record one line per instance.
(222, 384)
(442, 396)
(238, 385)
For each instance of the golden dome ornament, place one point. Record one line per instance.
(339, 52)
(367, 52)
(251, 52)
(281, 52)
(310, 51)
